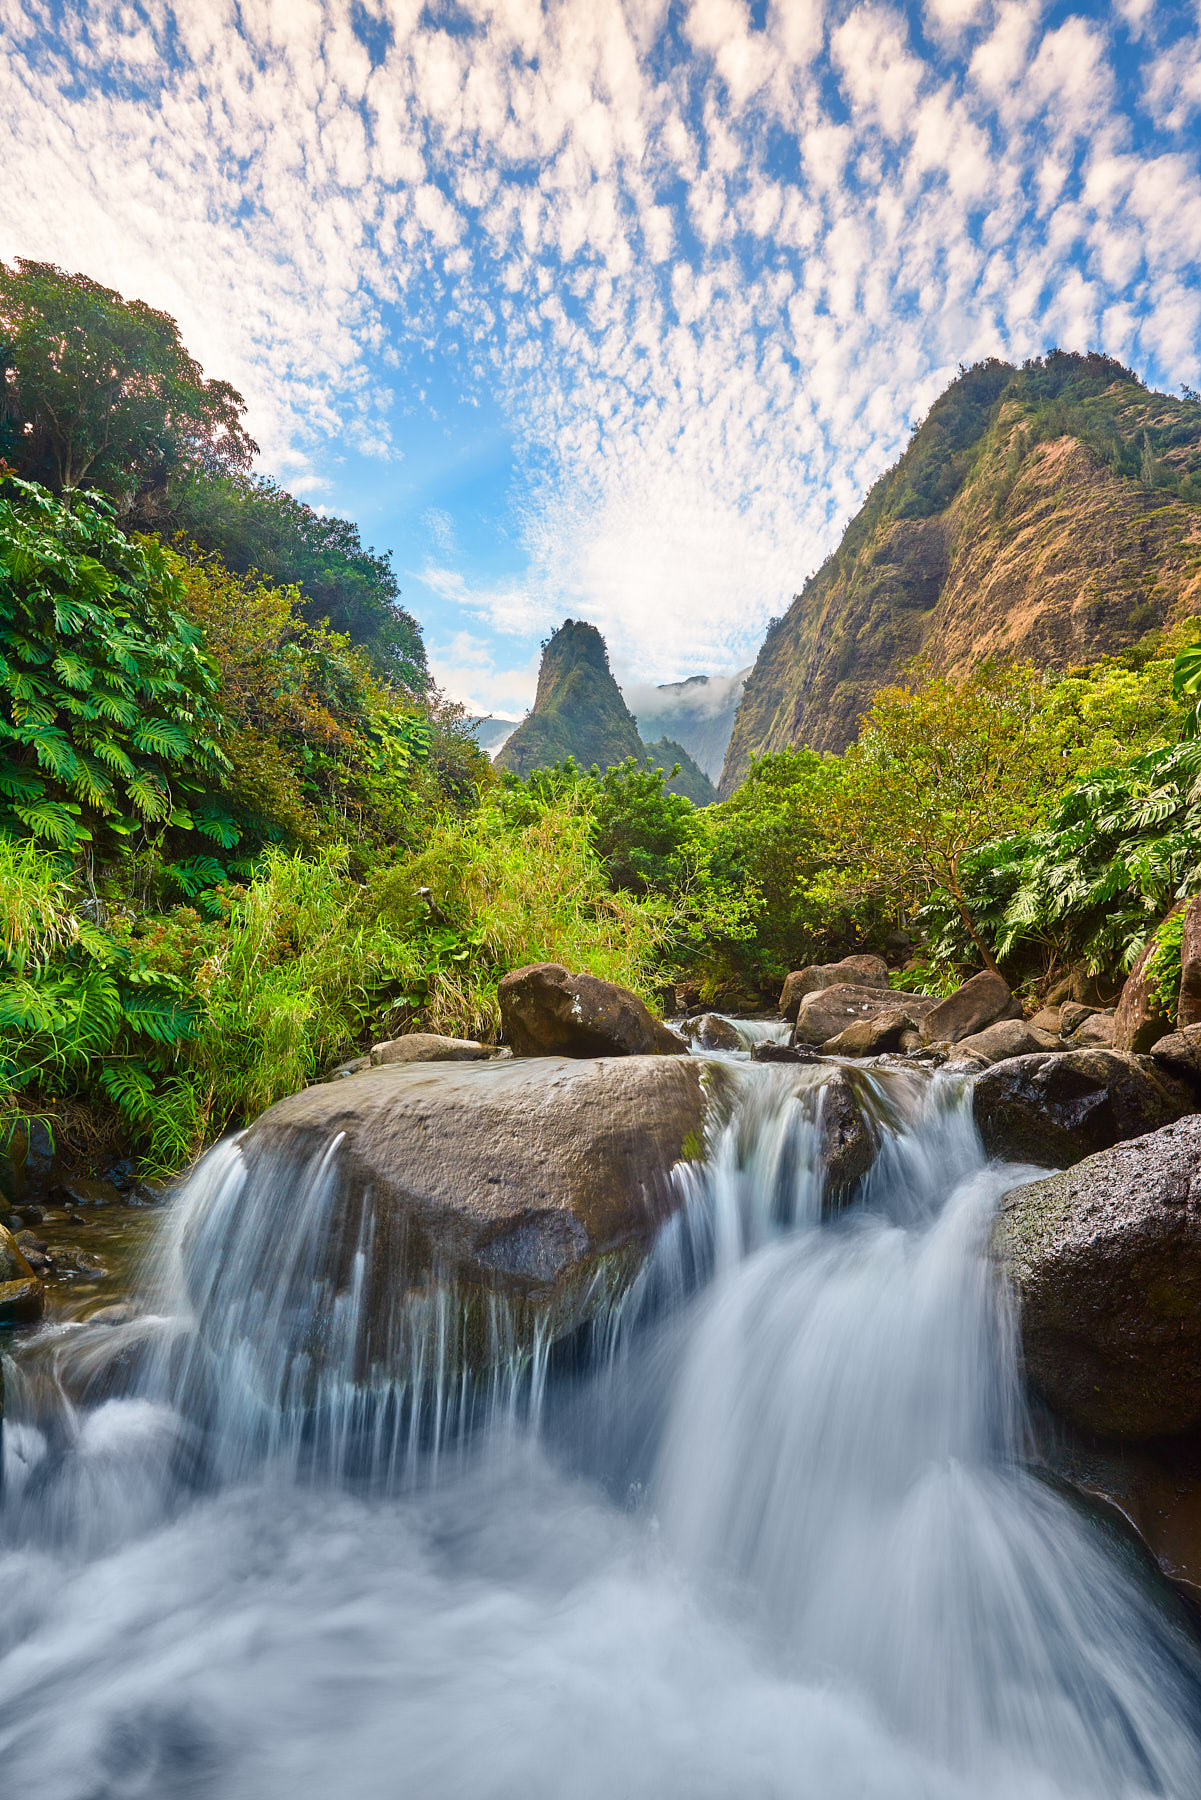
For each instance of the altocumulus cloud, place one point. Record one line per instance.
(710, 258)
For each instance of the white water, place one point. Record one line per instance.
(782, 1543)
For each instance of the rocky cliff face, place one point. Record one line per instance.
(578, 711)
(1051, 512)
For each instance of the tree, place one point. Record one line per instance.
(939, 772)
(99, 391)
(254, 525)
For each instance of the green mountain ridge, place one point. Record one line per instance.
(579, 712)
(1051, 512)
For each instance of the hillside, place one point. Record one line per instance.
(1051, 512)
(578, 711)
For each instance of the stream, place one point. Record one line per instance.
(766, 1529)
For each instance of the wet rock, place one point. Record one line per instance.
(21, 1292)
(539, 1181)
(34, 1250)
(35, 1164)
(713, 1032)
(849, 1143)
(828, 1011)
(1188, 1006)
(82, 1192)
(546, 1011)
(1179, 1054)
(72, 1259)
(1007, 1038)
(1105, 1261)
(852, 971)
(1055, 1108)
(120, 1314)
(120, 1174)
(1140, 1021)
(871, 1037)
(978, 1003)
(783, 1053)
(427, 1046)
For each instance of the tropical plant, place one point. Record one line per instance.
(1186, 687)
(108, 703)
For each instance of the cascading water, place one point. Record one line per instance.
(775, 1536)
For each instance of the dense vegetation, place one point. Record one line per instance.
(241, 838)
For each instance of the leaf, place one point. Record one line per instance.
(158, 737)
(49, 819)
(151, 800)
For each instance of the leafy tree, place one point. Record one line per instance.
(253, 525)
(109, 714)
(937, 773)
(96, 390)
(1186, 686)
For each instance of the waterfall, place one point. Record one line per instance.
(767, 1526)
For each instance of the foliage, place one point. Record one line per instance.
(100, 390)
(108, 708)
(254, 526)
(1186, 686)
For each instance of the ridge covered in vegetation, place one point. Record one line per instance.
(1051, 513)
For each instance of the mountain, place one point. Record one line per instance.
(491, 731)
(1051, 512)
(691, 780)
(578, 711)
(697, 714)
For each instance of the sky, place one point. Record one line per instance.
(602, 310)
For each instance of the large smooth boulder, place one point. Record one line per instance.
(1056, 1107)
(1105, 1261)
(21, 1291)
(828, 1011)
(872, 1037)
(852, 971)
(1007, 1038)
(428, 1046)
(1140, 1020)
(529, 1186)
(1188, 1006)
(547, 1011)
(981, 1000)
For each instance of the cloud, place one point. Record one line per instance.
(709, 261)
(465, 667)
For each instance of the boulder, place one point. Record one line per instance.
(1007, 1038)
(427, 1046)
(852, 971)
(546, 1011)
(978, 1003)
(898, 948)
(21, 1292)
(1053, 1108)
(1188, 1007)
(827, 1011)
(1140, 1021)
(532, 1187)
(1049, 1018)
(1095, 1033)
(1072, 1015)
(1105, 1262)
(849, 1144)
(783, 1053)
(871, 1037)
(713, 1032)
(1179, 1054)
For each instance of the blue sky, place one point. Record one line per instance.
(610, 310)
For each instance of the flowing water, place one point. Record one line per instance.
(768, 1533)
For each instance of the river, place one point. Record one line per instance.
(770, 1532)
